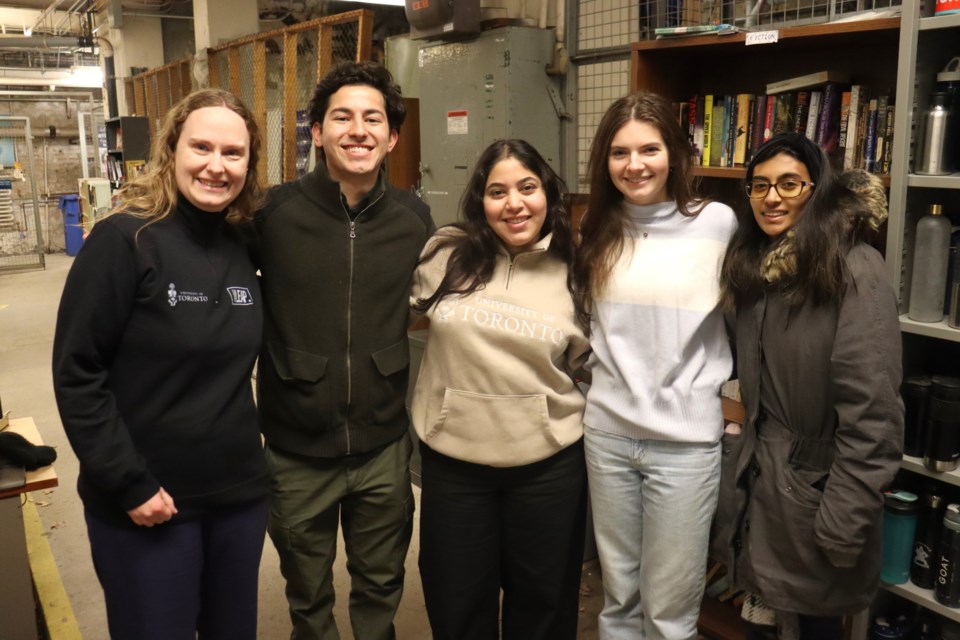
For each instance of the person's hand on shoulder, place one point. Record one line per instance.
(156, 510)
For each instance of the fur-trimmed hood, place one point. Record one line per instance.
(861, 196)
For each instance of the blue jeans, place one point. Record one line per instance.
(652, 506)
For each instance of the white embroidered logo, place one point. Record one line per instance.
(174, 296)
(240, 296)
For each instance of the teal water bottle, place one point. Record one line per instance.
(900, 510)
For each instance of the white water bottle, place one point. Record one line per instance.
(931, 254)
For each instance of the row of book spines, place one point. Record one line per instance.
(725, 131)
(116, 172)
(866, 130)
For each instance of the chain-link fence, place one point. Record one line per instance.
(275, 74)
(21, 232)
(153, 92)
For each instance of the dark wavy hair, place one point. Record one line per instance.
(604, 225)
(474, 253)
(820, 237)
(153, 196)
(368, 73)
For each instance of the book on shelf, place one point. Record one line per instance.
(813, 114)
(691, 127)
(730, 147)
(783, 117)
(883, 101)
(134, 168)
(726, 154)
(744, 103)
(756, 130)
(828, 127)
(807, 81)
(888, 148)
(695, 30)
(801, 106)
(769, 117)
(857, 95)
(844, 120)
(717, 130)
(862, 124)
(698, 130)
(707, 128)
(868, 160)
(118, 139)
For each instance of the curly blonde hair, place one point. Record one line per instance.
(153, 196)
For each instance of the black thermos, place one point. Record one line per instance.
(946, 589)
(943, 425)
(926, 543)
(916, 393)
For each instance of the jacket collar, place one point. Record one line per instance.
(201, 225)
(540, 246)
(322, 190)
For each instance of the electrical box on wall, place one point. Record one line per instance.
(475, 92)
(443, 19)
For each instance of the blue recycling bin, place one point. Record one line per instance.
(72, 231)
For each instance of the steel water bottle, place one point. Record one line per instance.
(936, 154)
(926, 542)
(946, 589)
(915, 391)
(943, 425)
(899, 525)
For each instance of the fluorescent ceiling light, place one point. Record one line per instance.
(392, 3)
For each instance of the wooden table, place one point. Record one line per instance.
(17, 607)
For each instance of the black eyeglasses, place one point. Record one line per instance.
(785, 188)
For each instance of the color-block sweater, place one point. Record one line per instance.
(660, 349)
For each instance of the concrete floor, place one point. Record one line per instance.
(28, 307)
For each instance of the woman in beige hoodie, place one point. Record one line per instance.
(497, 409)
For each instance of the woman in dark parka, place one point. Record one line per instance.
(819, 363)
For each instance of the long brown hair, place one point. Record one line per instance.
(153, 196)
(605, 224)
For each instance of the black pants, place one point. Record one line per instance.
(196, 579)
(519, 529)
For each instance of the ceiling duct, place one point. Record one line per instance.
(443, 19)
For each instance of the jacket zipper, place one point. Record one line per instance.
(513, 264)
(353, 236)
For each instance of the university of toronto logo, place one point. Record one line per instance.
(172, 295)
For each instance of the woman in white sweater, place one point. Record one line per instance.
(648, 269)
(497, 409)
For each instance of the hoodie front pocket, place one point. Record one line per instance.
(488, 429)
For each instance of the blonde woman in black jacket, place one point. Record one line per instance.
(818, 355)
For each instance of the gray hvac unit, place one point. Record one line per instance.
(472, 93)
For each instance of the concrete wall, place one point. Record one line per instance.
(56, 169)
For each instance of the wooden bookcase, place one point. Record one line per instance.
(680, 68)
(128, 139)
